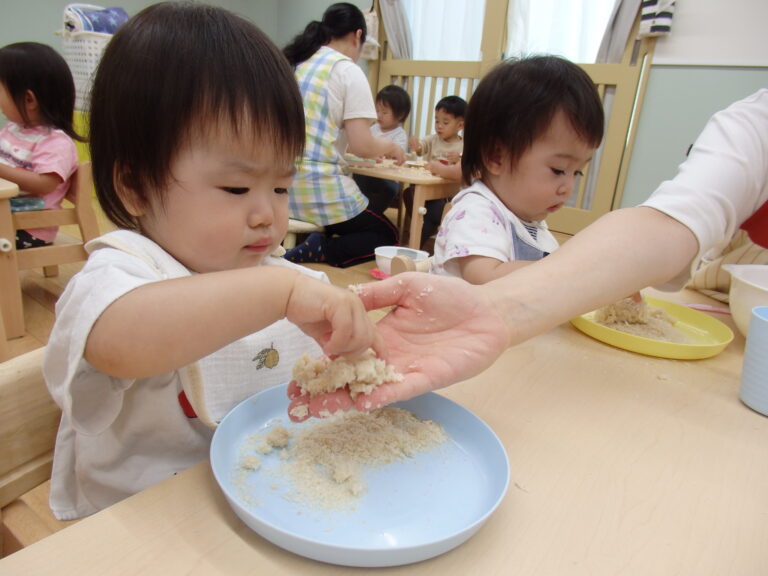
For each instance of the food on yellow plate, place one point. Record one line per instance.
(640, 319)
(322, 375)
(324, 461)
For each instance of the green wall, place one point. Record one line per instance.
(37, 20)
(678, 102)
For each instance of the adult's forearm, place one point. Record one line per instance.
(619, 254)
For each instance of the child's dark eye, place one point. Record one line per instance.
(558, 172)
(579, 173)
(237, 191)
(281, 190)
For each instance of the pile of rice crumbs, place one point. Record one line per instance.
(640, 319)
(323, 462)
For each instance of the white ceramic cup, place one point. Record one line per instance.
(754, 375)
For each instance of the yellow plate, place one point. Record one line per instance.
(707, 335)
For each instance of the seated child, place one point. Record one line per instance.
(183, 312)
(441, 151)
(37, 152)
(392, 108)
(532, 125)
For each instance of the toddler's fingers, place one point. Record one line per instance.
(355, 333)
(379, 346)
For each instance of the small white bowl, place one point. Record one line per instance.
(749, 288)
(384, 255)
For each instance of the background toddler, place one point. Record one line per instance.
(37, 152)
(441, 152)
(392, 108)
(532, 125)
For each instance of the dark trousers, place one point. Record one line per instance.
(380, 193)
(354, 241)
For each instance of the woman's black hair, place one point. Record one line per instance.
(176, 70)
(338, 20)
(397, 99)
(43, 71)
(515, 103)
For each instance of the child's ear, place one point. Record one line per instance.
(494, 161)
(134, 204)
(30, 101)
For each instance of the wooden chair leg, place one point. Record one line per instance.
(10, 288)
(5, 353)
(50, 271)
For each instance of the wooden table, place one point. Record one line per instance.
(621, 464)
(426, 187)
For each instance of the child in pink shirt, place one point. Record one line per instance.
(37, 152)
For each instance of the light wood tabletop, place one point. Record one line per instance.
(620, 464)
(426, 187)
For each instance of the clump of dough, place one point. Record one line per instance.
(315, 376)
(627, 311)
(640, 319)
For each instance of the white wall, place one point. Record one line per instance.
(717, 54)
(716, 33)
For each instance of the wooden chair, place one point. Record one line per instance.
(64, 250)
(29, 420)
(5, 351)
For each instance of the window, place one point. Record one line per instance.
(445, 29)
(573, 29)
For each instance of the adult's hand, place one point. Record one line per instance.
(441, 331)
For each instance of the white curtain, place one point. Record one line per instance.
(397, 27)
(617, 30)
(444, 29)
(569, 28)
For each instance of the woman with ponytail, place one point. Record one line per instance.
(339, 110)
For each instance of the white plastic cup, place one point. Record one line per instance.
(754, 375)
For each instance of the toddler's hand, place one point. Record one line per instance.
(333, 316)
(453, 157)
(398, 154)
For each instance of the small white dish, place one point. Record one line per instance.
(384, 255)
(749, 288)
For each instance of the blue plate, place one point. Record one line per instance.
(411, 511)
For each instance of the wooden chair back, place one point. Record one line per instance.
(63, 251)
(29, 420)
(621, 87)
